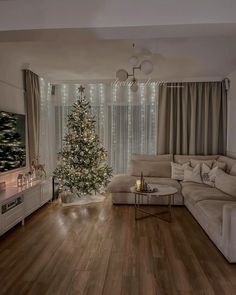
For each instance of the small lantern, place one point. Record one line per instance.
(20, 180)
(30, 174)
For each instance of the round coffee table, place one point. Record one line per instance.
(163, 191)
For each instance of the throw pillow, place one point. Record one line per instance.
(226, 183)
(208, 175)
(192, 174)
(194, 162)
(220, 165)
(177, 170)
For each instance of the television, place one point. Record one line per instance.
(12, 141)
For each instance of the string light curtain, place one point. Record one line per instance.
(47, 154)
(126, 122)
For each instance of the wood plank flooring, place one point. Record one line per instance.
(100, 249)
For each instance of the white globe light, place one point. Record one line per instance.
(134, 86)
(133, 61)
(122, 75)
(146, 67)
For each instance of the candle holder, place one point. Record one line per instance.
(20, 181)
(142, 186)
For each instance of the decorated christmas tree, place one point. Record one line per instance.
(82, 166)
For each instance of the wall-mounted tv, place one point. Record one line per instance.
(12, 141)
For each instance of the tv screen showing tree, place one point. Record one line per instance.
(12, 141)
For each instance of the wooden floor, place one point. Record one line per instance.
(100, 249)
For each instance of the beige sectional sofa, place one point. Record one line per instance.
(214, 209)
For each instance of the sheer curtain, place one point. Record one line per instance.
(126, 122)
(47, 150)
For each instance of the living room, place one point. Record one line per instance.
(117, 147)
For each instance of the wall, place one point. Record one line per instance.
(11, 97)
(231, 144)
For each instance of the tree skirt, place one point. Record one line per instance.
(68, 199)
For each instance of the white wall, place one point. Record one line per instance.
(11, 97)
(231, 144)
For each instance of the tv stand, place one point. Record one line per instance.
(18, 203)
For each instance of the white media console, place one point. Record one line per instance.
(18, 203)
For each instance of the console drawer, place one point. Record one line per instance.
(12, 213)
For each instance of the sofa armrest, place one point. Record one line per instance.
(229, 231)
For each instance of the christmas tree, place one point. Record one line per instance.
(82, 166)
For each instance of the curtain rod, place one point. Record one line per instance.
(59, 82)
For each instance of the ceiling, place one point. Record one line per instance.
(68, 40)
(183, 52)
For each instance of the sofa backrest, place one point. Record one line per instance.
(144, 157)
(160, 165)
(186, 158)
(150, 168)
(151, 165)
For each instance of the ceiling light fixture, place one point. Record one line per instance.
(145, 66)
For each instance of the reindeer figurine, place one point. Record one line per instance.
(38, 168)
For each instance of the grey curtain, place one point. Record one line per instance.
(192, 118)
(32, 101)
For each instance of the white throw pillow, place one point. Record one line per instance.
(192, 174)
(226, 183)
(208, 175)
(177, 170)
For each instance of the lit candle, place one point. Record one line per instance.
(138, 184)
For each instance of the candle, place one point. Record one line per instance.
(138, 185)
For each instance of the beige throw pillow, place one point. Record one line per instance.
(192, 174)
(208, 175)
(226, 183)
(177, 170)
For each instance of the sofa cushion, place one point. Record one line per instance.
(226, 183)
(150, 168)
(213, 212)
(233, 170)
(221, 165)
(229, 162)
(123, 182)
(165, 181)
(185, 158)
(144, 157)
(196, 192)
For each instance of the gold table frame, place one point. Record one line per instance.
(168, 192)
